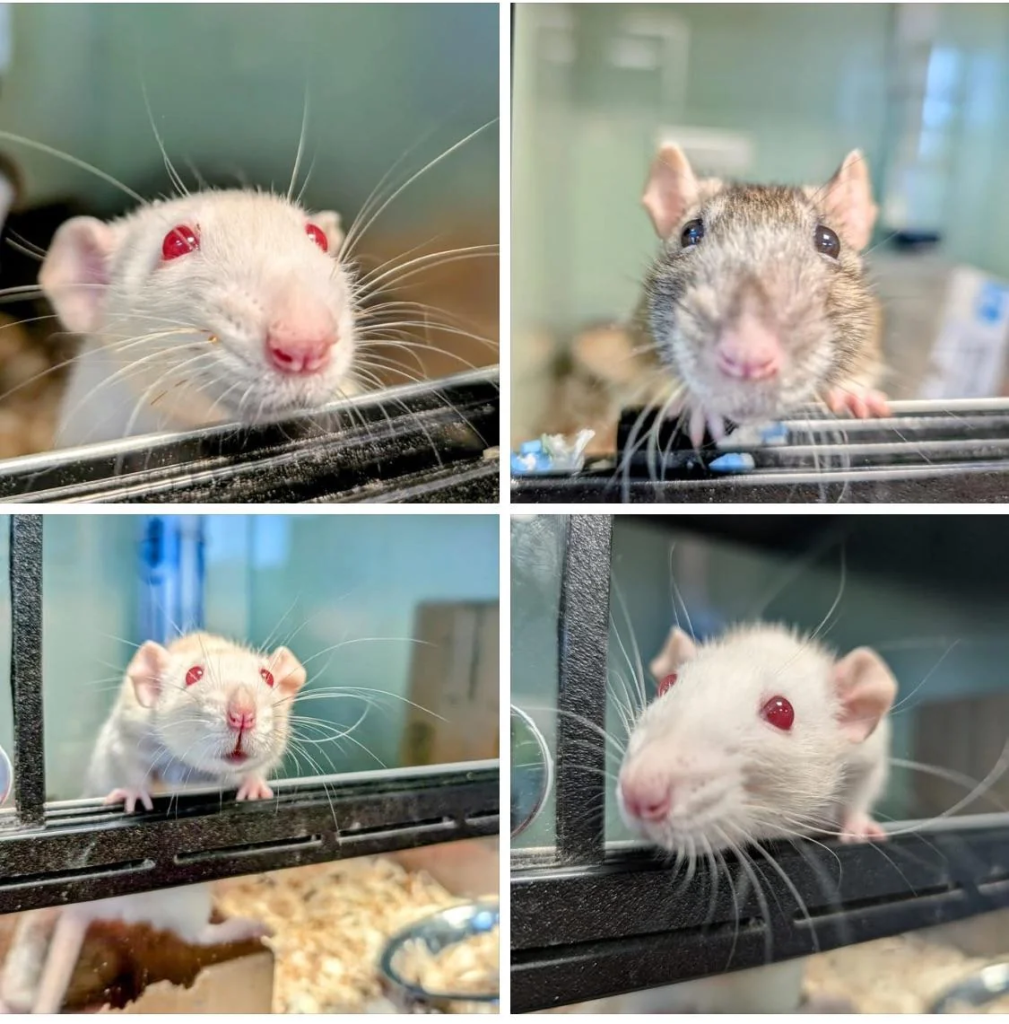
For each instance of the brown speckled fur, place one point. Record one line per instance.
(758, 247)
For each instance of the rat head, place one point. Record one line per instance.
(748, 738)
(218, 707)
(758, 300)
(235, 297)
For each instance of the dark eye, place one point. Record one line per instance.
(267, 676)
(779, 713)
(665, 683)
(179, 242)
(692, 234)
(318, 236)
(826, 241)
(194, 675)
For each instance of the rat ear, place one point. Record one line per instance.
(332, 228)
(866, 688)
(288, 671)
(679, 649)
(671, 188)
(74, 273)
(847, 200)
(146, 672)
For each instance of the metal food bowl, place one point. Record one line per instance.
(975, 991)
(437, 932)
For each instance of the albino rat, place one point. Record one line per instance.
(756, 303)
(202, 710)
(754, 737)
(212, 307)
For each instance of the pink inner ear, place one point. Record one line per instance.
(75, 272)
(866, 690)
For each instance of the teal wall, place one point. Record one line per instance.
(314, 581)
(807, 82)
(227, 84)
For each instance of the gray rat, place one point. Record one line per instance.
(754, 736)
(207, 308)
(756, 303)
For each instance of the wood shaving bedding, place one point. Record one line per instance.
(330, 923)
(904, 974)
(468, 967)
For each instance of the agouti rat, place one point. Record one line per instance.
(756, 303)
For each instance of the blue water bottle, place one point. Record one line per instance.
(172, 577)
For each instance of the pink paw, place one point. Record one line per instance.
(130, 797)
(254, 788)
(860, 402)
(862, 829)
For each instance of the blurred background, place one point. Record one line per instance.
(770, 93)
(939, 622)
(227, 85)
(374, 584)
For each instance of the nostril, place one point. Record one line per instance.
(299, 355)
(649, 803)
(241, 720)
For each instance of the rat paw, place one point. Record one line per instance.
(861, 828)
(701, 421)
(862, 403)
(254, 788)
(130, 797)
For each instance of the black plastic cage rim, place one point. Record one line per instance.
(591, 919)
(143, 444)
(54, 853)
(432, 441)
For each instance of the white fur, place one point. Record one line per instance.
(738, 777)
(255, 263)
(184, 736)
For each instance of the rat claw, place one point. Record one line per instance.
(697, 419)
(860, 402)
(716, 425)
(254, 788)
(129, 797)
(861, 828)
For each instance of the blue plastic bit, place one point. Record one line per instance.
(776, 432)
(732, 462)
(531, 447)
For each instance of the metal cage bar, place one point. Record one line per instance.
(583, 626)
(25, 573)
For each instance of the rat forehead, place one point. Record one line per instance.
(750, 207)
(224, 208)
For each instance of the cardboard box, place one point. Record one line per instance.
(454, 674)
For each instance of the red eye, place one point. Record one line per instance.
(779, 713)
(267, 676)
(194, 675)
(179, 242)
(318, 236)
(666, 683)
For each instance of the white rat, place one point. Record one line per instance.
(201, 710)
(213, 307)
(755, 736)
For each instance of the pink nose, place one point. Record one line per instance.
(648, 799)
(748, 349)
(241, 719)
(293, 354)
